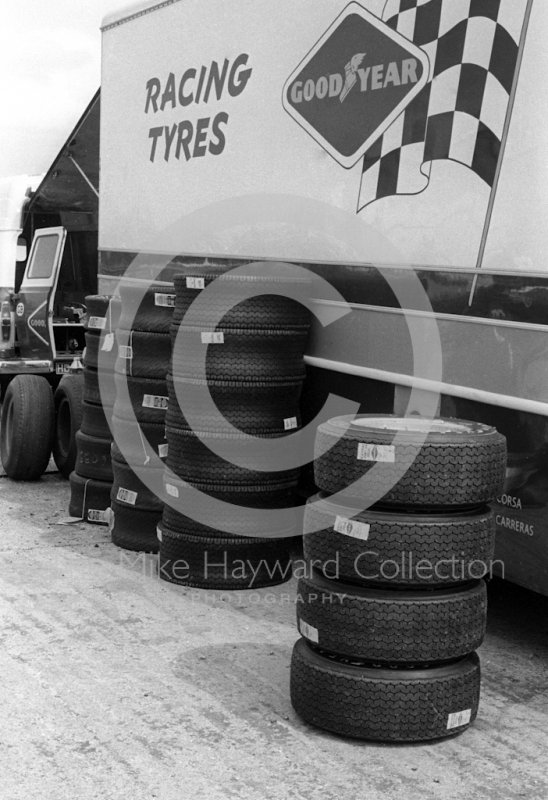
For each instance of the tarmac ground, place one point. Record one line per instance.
(116, 685)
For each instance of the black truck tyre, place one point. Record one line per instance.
(143, 354)
(393, 627)
(89, 499)
(262, 311)
(353, 699)
(134, 528)
(460, 464)
(68, 405)
(190, 458)
(154, 312)
(27, 427)
(95, 420)
(93, 457)
(148, 398)
(402, 550)
(254, 408)
(239, 354)
(227, 563)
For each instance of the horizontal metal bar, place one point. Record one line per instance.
(480, 396)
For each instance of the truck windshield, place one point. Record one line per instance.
(43, 259)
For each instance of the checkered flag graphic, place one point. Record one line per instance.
(473, 50)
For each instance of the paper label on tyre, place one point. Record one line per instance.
(155, 401)
(309, 632)
(125, 352)
(159, 534)
(95, 515)
(126, 496)
(459, 718)
(164, 300)
(377, 452)
(350, 527)
(290, 423)
(172, 490)
(210, 337)
(162, 450)
(195, 283)
(97, 323)
(108, 344)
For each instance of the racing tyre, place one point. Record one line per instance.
(143, 354)
(140, 441)
(95, 352)
(358, 700)
(99, 388)
(93, 457)
(149, 309)
(148, 398)
(392, 627)
(134, 528)
(89, 499)
(376, 548)
(128, 487)
(95, 420)
(67, 400)
(457, 464)
(27, 427)
(102, 313)
(227, 563)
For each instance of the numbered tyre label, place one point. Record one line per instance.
(349, 527)
(126, 496)
(459, 718)
(309, 632)
(172, 490)
(377, 452)
(165, 300)
(95, 515)
(155, 401)
(125, 352)
(97, 323)
(195, 283)
(163, 450)
(290, 423)
(213, 338)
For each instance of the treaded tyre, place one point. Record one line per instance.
(94, 346)
(392, 627)
(244, 354)
(461, 464)
(95, 420)
(140, 441)
(128, 488)
(148, 397)
(93, 457)
(254, 408)
(239, 497)
(134, 528)
(377, 548)
(143, 354)
(190, 457)
(89, 499)
(227, 563)
(384, 705)
(92, 390)
(102, 313)
(153, 313)
(27, 427)
(262, 311)
(67, 401)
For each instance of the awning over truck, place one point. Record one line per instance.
(72, 181)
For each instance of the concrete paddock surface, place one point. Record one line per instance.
(117, 685)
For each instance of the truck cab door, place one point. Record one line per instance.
(34, 305)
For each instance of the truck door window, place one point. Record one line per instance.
(44, 257)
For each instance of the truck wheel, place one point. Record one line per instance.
(27, 427)
(68, 419)
(384, 705)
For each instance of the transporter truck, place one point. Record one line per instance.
(48, 264)
(396, 149)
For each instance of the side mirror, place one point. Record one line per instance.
(21, 250)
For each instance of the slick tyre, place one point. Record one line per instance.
(89, 499)
(99, 388)
(95, 420)
(459, 464)
(93, 457)
(68, 404)
(376, 548)
(27, 427)
(393, 627)
(134, 528)
(226, 563)
(143, 354)
(384, 705)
